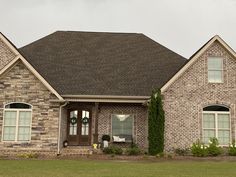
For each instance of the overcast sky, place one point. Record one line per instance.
(181, 25)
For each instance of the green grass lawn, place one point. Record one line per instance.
(95, 168)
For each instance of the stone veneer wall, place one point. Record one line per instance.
(20, 85)
(6, 55)
(140, 120)
(186, 97)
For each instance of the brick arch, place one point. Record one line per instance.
(218, 103)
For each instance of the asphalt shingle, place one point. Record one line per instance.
(100, 63)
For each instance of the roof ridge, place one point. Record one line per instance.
(37, 40)
(108, 32)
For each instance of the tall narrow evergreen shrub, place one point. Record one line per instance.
(156, 121)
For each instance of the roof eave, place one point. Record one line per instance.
(106, 98)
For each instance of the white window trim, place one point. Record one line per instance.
(222, 71)
(132, 115)
(216, 125)
(17, 126)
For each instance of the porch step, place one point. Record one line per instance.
(78, 150)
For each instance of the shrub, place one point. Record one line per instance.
(28, 155)
(113, 150)
(161, 154)
(232, 149)
(165, 155)
(213, 148)
(198, 149)
(156, 121)
(133, 151)
(106, 138)
(181, 152)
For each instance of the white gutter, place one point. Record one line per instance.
(59, 128)
(106, 98)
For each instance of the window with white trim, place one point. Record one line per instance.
(215, 69)
(17, 122)
(216, 123)
(122, 126)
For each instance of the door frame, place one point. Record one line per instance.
(79, 126)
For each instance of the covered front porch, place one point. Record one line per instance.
(83, 124)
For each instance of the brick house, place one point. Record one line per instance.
(77, 86)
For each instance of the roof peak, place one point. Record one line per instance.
(96, 32)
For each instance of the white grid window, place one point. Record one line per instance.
(216, 124)
(215, 70)
(17, 122)
(122, 126)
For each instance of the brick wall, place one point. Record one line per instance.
(20, 85)
(140, 120)
(186, 97)
(6, 55)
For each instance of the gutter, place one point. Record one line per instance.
(59, 128)
(106, 98)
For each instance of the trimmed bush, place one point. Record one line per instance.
(113, 150)
(213, 148)
(133, 151)
(198, 149)
(28, 155)
(232, 149)
(181, 152)
(156, 120)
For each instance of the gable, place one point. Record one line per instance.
(10, 56)
(6, 54)
(18, 82)
(216, 40)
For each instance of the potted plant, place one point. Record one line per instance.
(105, 140)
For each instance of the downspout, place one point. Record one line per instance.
(59, 128)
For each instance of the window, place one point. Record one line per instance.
(216, 123)
(122, 126)
(215, 69)
(17, 122)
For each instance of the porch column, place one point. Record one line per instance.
(95, 135)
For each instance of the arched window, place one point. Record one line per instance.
(17, 122)
(216, 123)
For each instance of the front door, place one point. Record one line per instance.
(79, 127)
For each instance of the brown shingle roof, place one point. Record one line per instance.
(99, 63)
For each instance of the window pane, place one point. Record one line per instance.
(73, 126)
(208, 120)
(223, 121)
(215, 76)
(122, 125)
(9, 133)
(216, 108)
(73, 129)
(24, 133)
(214, 63)
(85, 126)
(24, 118)
(207, 134)
(18, 106)
(10, 118)
(223, 137)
